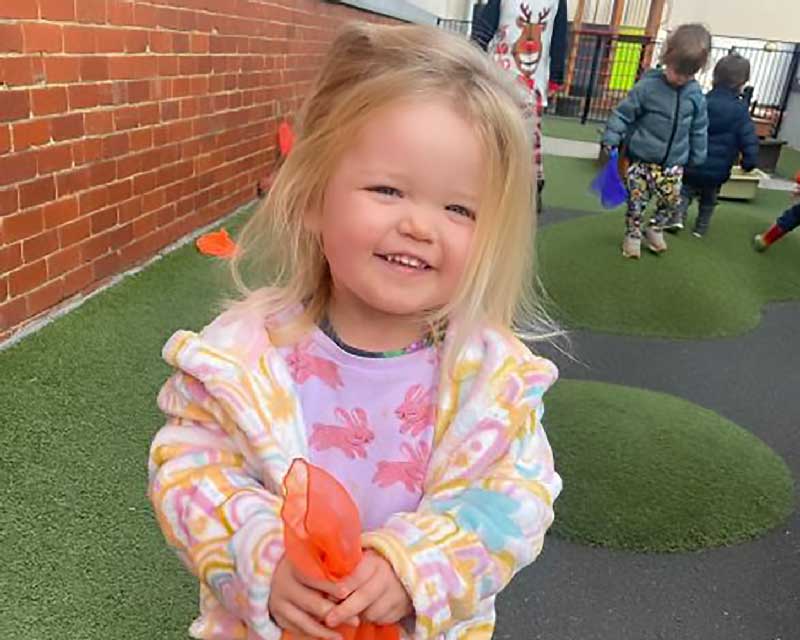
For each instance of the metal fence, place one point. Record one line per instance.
(603, 67)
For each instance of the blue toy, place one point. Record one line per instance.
(608, 185)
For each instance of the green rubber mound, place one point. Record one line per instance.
(647, 471)
(706, 288)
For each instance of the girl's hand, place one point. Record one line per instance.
(376, 594)
(298, 604)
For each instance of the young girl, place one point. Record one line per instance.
(663, 124)
(787, 222)
(398, 240)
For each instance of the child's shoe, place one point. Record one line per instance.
(759, 244)
(655, 241)
(674, 224)
(631, 247)
(697, 234)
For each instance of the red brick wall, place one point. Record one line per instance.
(126, 124)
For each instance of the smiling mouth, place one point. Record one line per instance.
(403, 260)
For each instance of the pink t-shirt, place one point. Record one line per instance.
(369, 421)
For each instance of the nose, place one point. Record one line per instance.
(417, 223)
(530, 46)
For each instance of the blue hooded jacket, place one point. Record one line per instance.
(660, 123)
(730, 132)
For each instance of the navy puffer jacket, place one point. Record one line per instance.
(660, 123)
(730, 132)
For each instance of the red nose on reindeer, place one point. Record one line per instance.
(531, 46)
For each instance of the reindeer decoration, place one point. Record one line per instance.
(528, 47)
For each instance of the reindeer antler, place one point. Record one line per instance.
(526, 12)
(543, 15)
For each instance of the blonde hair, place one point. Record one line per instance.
(369, 67)
(687, 49)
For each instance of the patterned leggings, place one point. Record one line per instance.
(645, 180)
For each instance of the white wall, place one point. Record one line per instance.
(790, 128)
(767, 19)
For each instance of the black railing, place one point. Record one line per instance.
(604, 66)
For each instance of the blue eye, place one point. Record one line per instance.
(461, 211)
(386, 191)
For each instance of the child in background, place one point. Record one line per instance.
(396, 249)
(662, 122)
(788, 221)
(528, 41)
(731, 133)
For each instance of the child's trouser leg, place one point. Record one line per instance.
(708, 202)
(667, 182)
(789, 219)
(639, 183)
(678, 219)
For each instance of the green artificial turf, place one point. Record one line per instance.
(83, 557)
(647, 471)
(712, 287)
(571, 129)
(789, 163)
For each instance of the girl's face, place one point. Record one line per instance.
(398, 215)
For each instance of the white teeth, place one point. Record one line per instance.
(406, 261)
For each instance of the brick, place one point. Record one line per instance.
(99, 122)
(28, 277)
(73, 232)
(57, 10)
(116, 145)
(10, 257)
(40, 245)
(136, 41)
(138, 91)
(16, 71)
(126, 118)
(120, 13)
(200, 43)
(3, 288)
(102, 173)
(43, 38)
(79, 39)
(48, 101)
(130, 210)
(17, 167)
(129, 166)
(37, 192)
(96, 246)
(62, 261)
(145, 15)
(60, 212)
(170, 110)
(68, 127)
(23, 225)
(62, 69)
(45, 297)
(94, 68)
(5, 138)
(11, 38)
(109, 41)
(9, 201)
(103, 220)
(133, 67)
(13, 312)
(18, 9)
(120, 191)
(54, 159)
(141, 139)
(89, 150)
(106, 266)
(93, 200)
(77, 280)
(83, 96)
(92, 11)
(72, 182)
(30, 134)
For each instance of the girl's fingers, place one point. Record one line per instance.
(355, 604)
(299, 622)
(311, 602)
(333, 589)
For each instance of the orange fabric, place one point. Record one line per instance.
(217, 243)
(285, 138)
(322, 533)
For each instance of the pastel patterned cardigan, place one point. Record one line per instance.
(234, 426)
